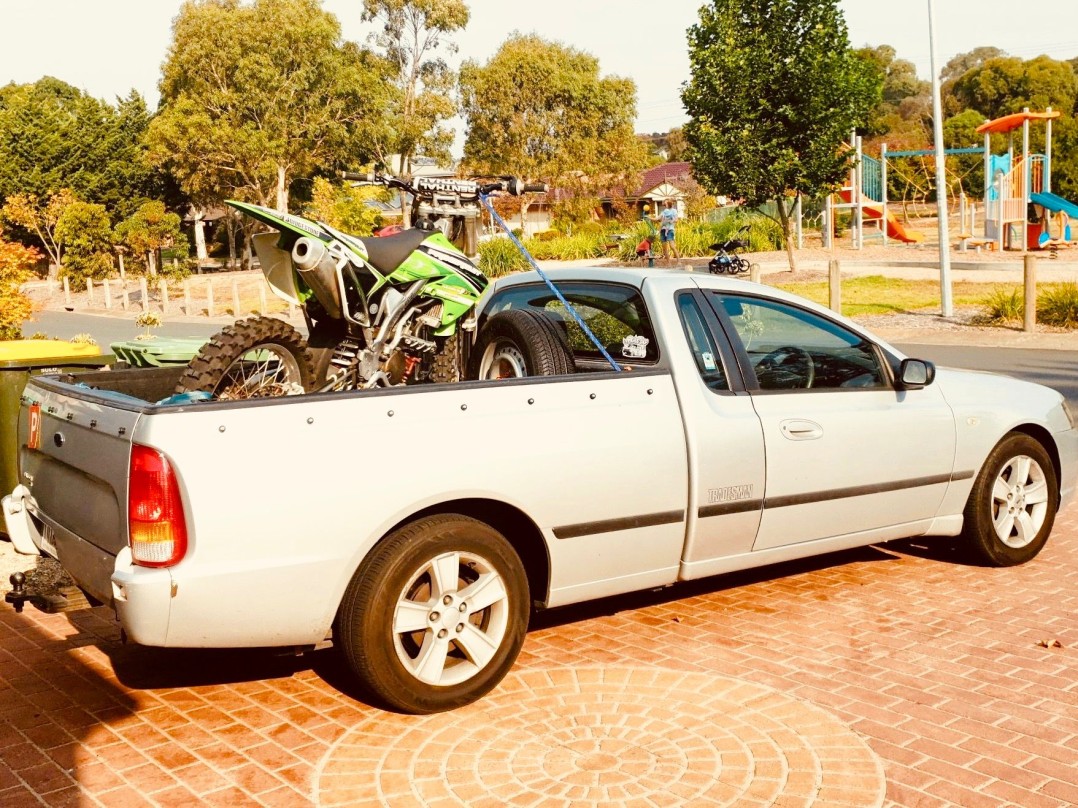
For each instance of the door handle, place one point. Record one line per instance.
(801, 429)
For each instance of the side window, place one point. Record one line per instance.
(701, 344)
(615, 313)
(791, 348)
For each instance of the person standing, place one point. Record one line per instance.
(667, 219)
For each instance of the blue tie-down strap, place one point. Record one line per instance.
(568, 306)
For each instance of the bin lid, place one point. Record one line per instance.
(180, 349)
(32, 353)
(157, 344)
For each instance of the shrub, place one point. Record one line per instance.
(1058, 305)
(83, 339)
(568, 248)
(499, 256)
(16, 262)
(1003, 306)
(148, 320)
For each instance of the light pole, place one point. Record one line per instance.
(941, 170)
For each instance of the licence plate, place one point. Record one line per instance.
(48, 540)
(34, 417)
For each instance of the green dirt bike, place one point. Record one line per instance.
(379, 311)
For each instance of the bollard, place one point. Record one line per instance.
(163, 286)
(834, 284)
(209, 298)
(108, 293)
(90, 292)
(123, 294)
(1029, 319)
(187, 296)
(67, 293)
(754, 272)
(144, 294)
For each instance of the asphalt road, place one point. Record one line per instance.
(1057, 369)
(107, 329)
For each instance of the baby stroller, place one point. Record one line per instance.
(725, 260)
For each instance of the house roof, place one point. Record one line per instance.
(667, 172)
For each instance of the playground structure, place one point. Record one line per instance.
(1019, 206)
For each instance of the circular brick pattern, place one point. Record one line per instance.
(599, 736)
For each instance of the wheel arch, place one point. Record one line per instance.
(1045, 439)
(515, 525)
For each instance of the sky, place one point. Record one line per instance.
(108, 47)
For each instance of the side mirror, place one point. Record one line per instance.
(913, 374)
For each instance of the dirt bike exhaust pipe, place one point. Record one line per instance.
(319, 271)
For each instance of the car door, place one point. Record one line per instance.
(724, 440)
(847, 452)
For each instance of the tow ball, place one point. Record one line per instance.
(64, 599)
(18, 596)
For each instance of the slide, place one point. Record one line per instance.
(1056, 204)
(895, 228)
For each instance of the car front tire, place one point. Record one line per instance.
(1013, 504)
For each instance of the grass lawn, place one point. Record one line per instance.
(876, 294)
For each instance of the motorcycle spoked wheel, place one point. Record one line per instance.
(260, 357)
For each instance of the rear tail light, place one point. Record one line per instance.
(155, 521)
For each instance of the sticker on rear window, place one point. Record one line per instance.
(634, 346)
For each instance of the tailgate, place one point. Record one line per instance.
(77, 473)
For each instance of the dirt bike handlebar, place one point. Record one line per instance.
(431, 187)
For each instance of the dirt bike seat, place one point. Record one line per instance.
(389, 252)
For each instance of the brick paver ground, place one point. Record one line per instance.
(899, 656)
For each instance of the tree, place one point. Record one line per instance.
(346, 208)
(1006, 84)
(958, 66)
(774, 91)
(16, 262)
(541, 109)
(54, 136)
(900, 87)
(149, 229)
(40, 217)
(255, 96)
(411, 32)
(84, 231)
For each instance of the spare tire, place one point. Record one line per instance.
(517, 343)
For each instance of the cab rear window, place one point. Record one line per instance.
(615, 313)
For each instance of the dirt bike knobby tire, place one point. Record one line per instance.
(205, 370)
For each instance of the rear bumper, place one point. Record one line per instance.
(141, 597)
(17, 522)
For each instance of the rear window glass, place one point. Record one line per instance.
(615, 314)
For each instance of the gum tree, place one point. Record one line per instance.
(411, 34)
(774, 92)
(254, 96)
(542, 110)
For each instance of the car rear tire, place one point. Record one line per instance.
(436, 615)
(518, 343)
(1013, 504)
